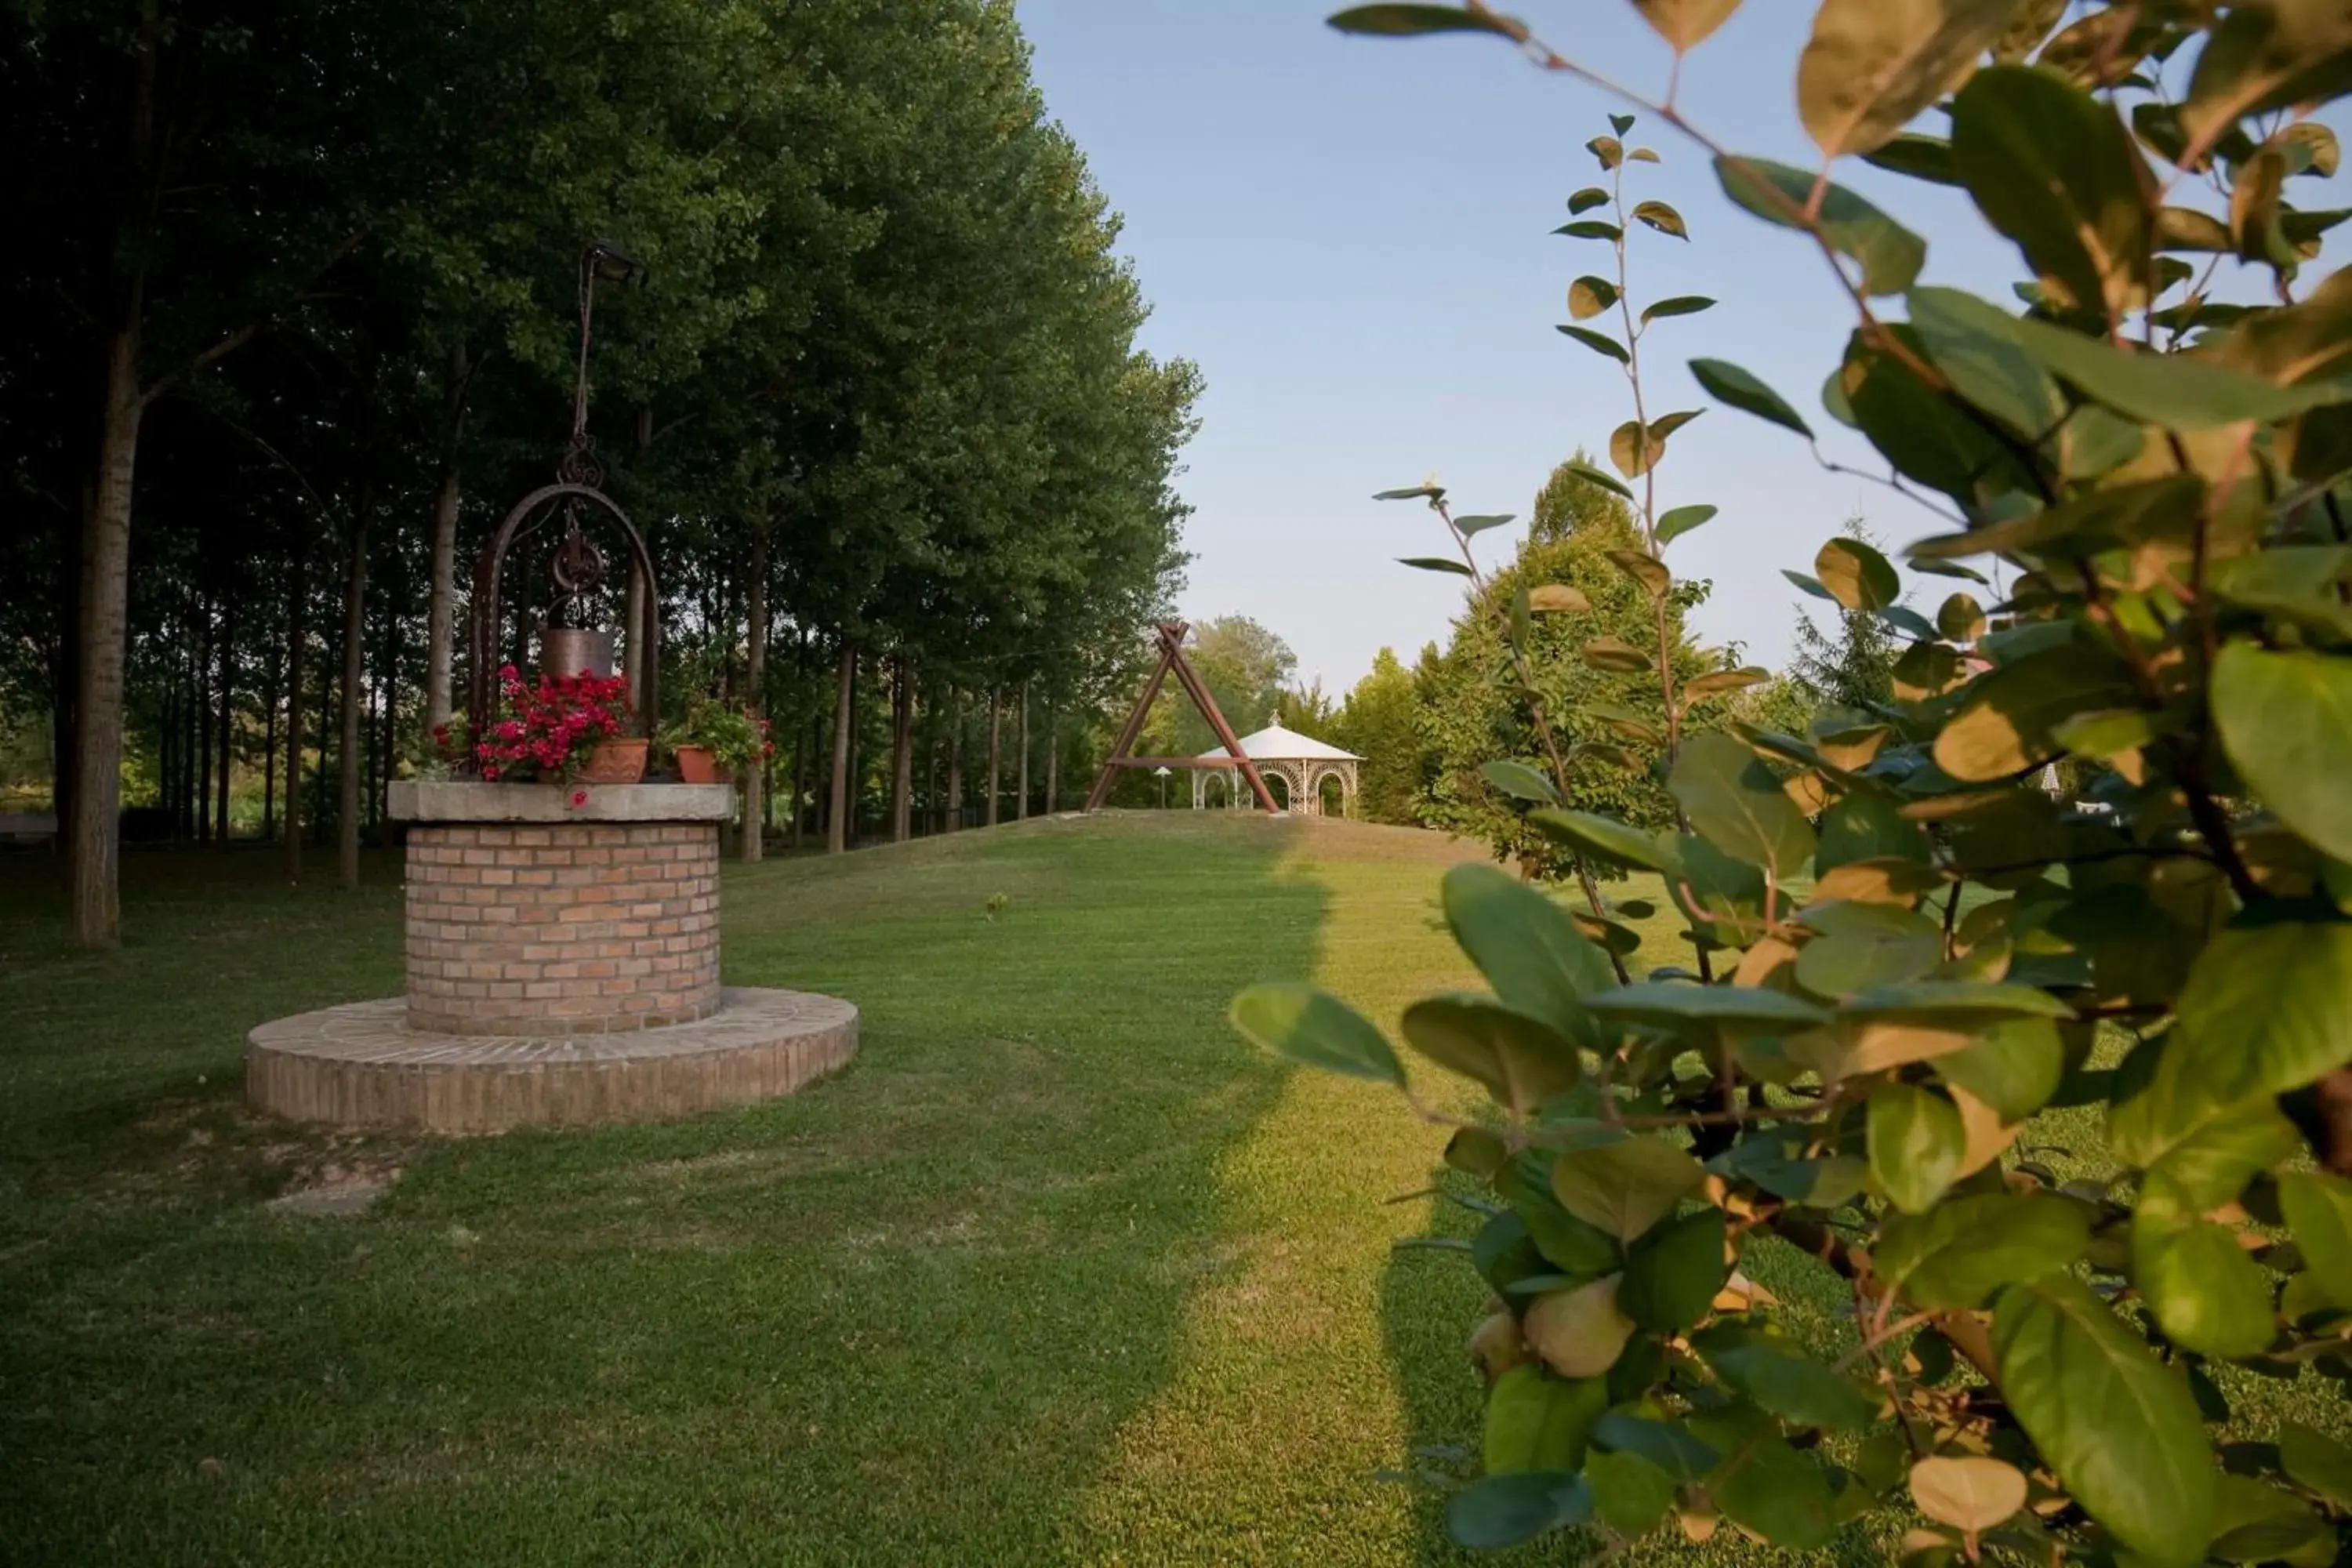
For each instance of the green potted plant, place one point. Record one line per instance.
(715, 742)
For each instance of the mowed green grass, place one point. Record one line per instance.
(1057, 1272)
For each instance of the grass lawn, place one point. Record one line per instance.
(1057, 1272)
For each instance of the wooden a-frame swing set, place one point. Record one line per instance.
(1171, 659)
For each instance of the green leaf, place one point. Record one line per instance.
(1674, 1273)
(2180, 392)
(1683, 1456)
(1871, 66)
(1538, 1422)
(2160, 1109)
(1626, 1187)
(2084, 526)
(1778, 1374)
(1717, 682)
(1968, 1492)
(1602, 835)
(1724, 379)
(1678, 305)
(1523, 1062)
(1630, 1494)
(2257, 1522)
(1525, 944)
(1587, 199)
(1973, 343)
(2316, 1460)
(1646, 569)
(1607, 149)
(2006, 718)
(2014, 1067)
(1916, 1141)
(2186, 228)
(1634, 450)
(2286, 721)
(2297, 582)
(1590, 229)
(1599, 343)
(1890, 256)
(1471, 526)
(1588, 296)
(1496, 1511)
(2318, 1210)
(1957, 1254)
(2207, 1295)
(1615, 654)
(1602, 477)
(1520, 782)
(2268, 1008)
(1921, 157)
(1857, 576)
(1670, 1003)
(1315, 1029)
(1917, 427)
(1770, 1487)
(1685, 24)
(1553, 598)
(1961, 618)
(1681, 521)
(2121, 1429)
(1862, 946)
(1663, 218)
(2266, 57)
(1579, 1332)
(1413, 21)
(1435, 563)
(1734, 801)
(2053, 168)
(1961, 1004)
(1860, 826)
(1413, 492)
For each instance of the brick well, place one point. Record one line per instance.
(561, 928)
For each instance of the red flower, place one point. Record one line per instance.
(579, 798)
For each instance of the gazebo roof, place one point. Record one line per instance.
(1275, 744)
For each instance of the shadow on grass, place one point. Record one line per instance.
(898, 1319)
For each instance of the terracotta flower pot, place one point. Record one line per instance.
(619, 762)
(697, 764)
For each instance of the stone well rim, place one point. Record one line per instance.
(453, 800)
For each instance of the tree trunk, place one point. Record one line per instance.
(441, 605)
(1021, 812)
(227, 712)
(297, 634)
(995, 755)
(836, 818)
(347, 803)
(269, 750)
(64, 661)
(393, 611)
(93, 834)
(1053, 762)
(955, 761)
(326, 741)
(930, 769)
(902, 753)
(200, 724)
(755, 688)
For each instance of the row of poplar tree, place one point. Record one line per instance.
(295, 319)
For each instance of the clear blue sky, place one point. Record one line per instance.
(1351, 238)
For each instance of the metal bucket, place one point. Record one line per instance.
(570, 650)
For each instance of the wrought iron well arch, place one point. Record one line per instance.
(578, 567)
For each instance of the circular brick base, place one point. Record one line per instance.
(361, 1065)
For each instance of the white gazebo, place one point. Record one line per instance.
(1301, 762)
